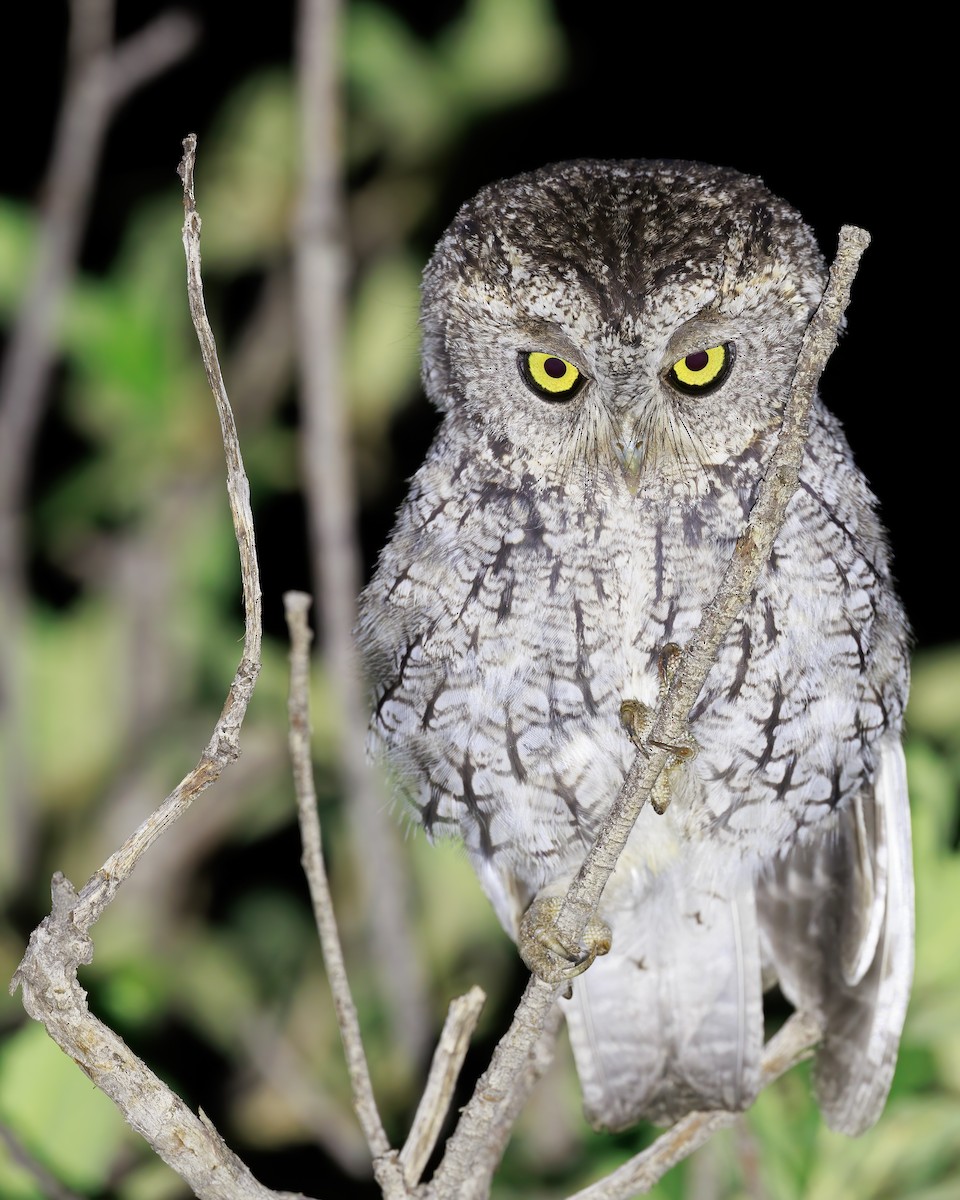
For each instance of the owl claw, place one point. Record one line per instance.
(637, 719)
(546, 955)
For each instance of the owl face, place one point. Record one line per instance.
(620, 319)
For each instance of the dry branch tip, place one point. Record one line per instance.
(185, 170)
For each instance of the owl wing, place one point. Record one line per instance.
(836, 920)
(671, 1020)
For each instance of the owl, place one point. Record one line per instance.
(611, 345)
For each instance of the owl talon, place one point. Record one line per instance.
(637, 719)
(546, 955)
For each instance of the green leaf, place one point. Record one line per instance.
(382, 360)
(500, 52)
(401, 97)
(934, 708)
(74, 701)
(248, 175)
(56, 1112)
(17, 239)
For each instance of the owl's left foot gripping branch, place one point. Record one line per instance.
(542, 949)
(637, 719)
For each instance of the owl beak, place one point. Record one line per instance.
(630, 456)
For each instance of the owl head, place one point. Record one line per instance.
(603, 318)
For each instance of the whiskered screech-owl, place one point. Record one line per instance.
(611, 345)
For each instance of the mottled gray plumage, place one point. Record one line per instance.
(557, 538)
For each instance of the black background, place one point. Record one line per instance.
(822, 113)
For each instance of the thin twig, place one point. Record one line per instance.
(386, 1167)
(320, 271)
(462, 1017)
(474, 1150)
(187, 1141)
(238, 488)
(223, 746)
(791, 1045)
(461, 1173)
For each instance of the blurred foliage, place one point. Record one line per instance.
(212, 942)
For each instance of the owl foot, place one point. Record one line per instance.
(637, 719)
(545, 954)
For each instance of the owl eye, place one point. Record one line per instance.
(549, 376)
(702, 371)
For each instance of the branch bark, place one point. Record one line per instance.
(462, 1017)
(187, 1141)
(467, 1168)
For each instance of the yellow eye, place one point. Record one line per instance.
(549, 376)
(702, 371)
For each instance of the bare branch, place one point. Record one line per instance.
(462, 1017)
(791, 1045)
(48, 973)
(51, 994)
(296, 605)
(223, 746)
(90, 33)
(493, 1101)
(238, 488)
(327, 466)
(474, 1150)
(100, 80)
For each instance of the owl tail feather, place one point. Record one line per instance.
(837, 924)
(671, 1020)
